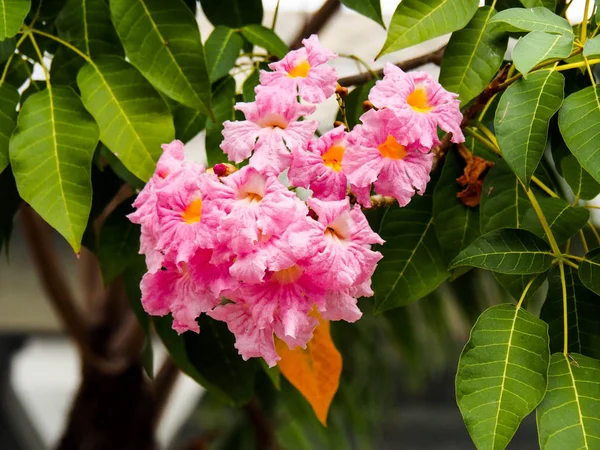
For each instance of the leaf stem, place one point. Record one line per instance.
(543, 221)
(583, 34)
(591, 206)
(583, 241)
(63, 42)
(576, 65)
(525, 291)
(41, 58)
(482, 140)
(563, 283)
(275, 16)
(575, 257)
(594, 230)
(374, 75)
(589, 71)
(10, 58)
(570, 263)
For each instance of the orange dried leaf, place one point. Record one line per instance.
(315, 371)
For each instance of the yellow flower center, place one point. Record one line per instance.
(300, 70)
(253, 197)
(333, 157)
(193, 212)
(273, 120)
(418, 101)
(392, 149)
(288, 276)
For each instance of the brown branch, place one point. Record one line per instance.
(316, 22)
(411, 64)
(163, 385)
(39, 237)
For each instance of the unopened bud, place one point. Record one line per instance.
(367, 105)
(222, 169)
(341, 91)
(339, 123)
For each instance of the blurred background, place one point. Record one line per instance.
(398, 379)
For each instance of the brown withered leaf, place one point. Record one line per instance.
(472, 178)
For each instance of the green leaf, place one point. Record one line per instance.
(86, 24)
(473, 56)
(564, 220)
(537, 47)
(224, 99)
(579, 122)
(531, 19)
(501, 374)
(188, 123)
(583, 314)
(591, 47)
(523, 117)
(222, 50)
(12, 16)
(65, 67)
(503, 200)
(233, 13)
(7, 48)
(568, 416)
(9, 99)
(248, 93)
(516, 284)
(508, 251)
(119, 243)
(354, 103)
(162, 40)
(412, 264)
(550, 4)
(221, 364)
(589, 270)
(459, 224)
(580, 181)
(265, 38)
(134, 120)
(368, 8)
(416, 21)
(51, 153)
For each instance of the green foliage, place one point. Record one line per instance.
(473, 56)
(222, 50)
(589, 270)
(579, 122)
(538, 46)
(563, 219)
(163, 41)
(583, 185)
(51, 154)
(503, 200)
(9, 99)
(232, 13)
(592, 47)
(459, 223)
(583, 314)
(416, 21)
(534, 19)
(368, 8)
(412, 264)
(133, 118)
(12, 15)
(501, 374)
(568, 416)
(507, 251)
(522, 126)
(265, 38)
(516, 284)
(224, 99)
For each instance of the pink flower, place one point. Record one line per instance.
(379, 152)
(169, 166)
(344, 257)
(250, 340)
(186, 289)
(270, 128)
(257, 206)
(283, 301)
(303, 71)
(187, 219)
(420, 103)
(320, 168)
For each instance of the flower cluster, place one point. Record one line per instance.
(240, 245)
